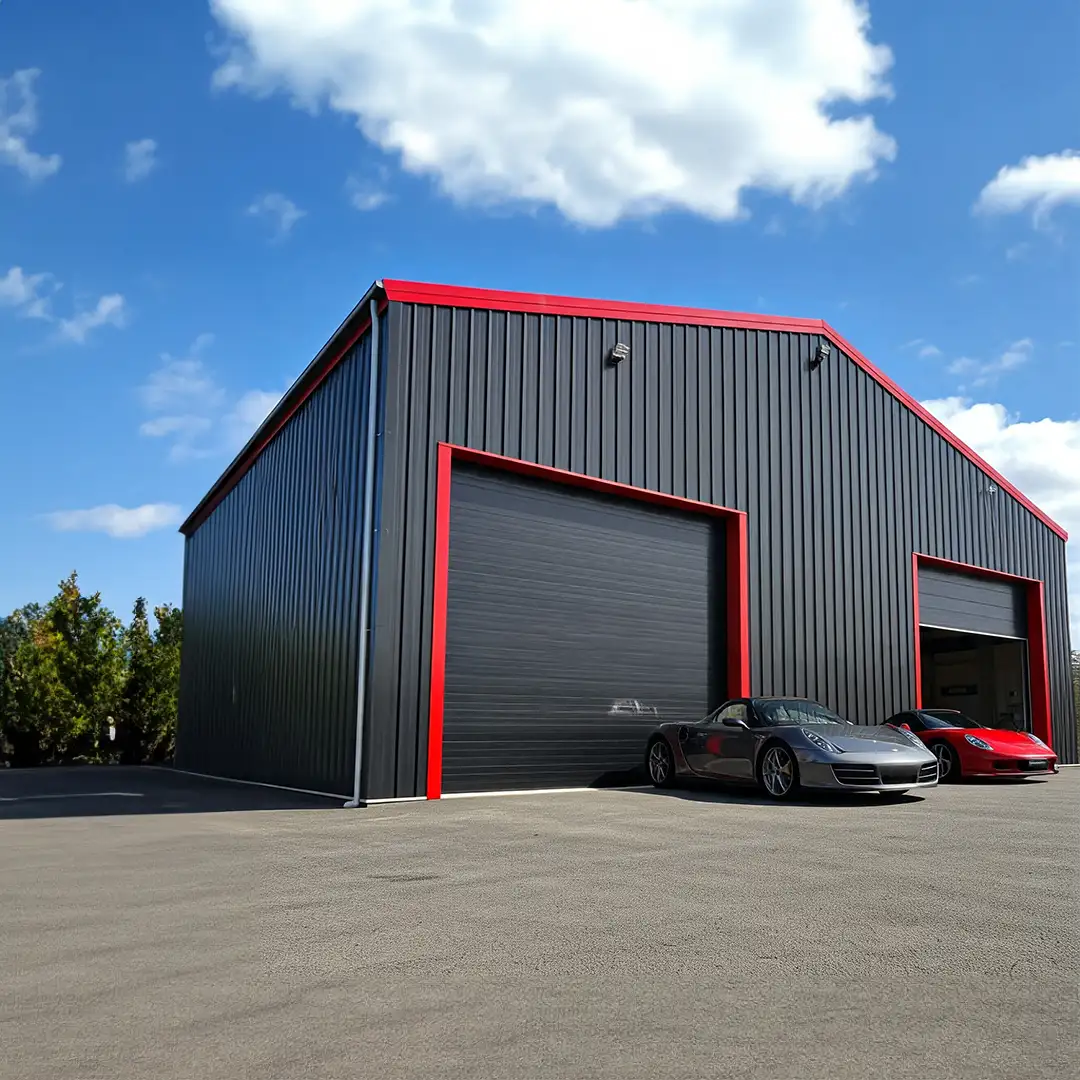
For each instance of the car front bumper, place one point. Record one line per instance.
(869, 774)
(990, 763)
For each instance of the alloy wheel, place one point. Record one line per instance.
(659, 763)
(778, 771)
(944, 760)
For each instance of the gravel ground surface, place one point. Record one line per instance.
(161, 926)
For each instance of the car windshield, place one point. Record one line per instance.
(935, 719)
(778, 711)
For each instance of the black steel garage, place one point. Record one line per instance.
(487, 539)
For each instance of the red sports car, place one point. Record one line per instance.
(966, 748)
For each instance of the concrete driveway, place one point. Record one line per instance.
(603, 934)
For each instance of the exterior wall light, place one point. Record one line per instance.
(820, 356)
(619, 352)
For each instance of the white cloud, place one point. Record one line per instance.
(140, 160)
(925, 348)
(366, 195)
(26, 293)
(109, 311)
(19, 120)
(605, 109)
(247, 414)
(121, 522)
(194, 412)
(1015, 356)
(283, 212)
(1039, 184)
(1041, 457)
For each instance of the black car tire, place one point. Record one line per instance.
(659, 748)
(954, 762)
(781, 750)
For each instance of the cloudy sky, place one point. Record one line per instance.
(193, 195)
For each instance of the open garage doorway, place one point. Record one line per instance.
(980, 644)
(981, 676)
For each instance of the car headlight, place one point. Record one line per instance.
(911, 737)
(820, 742)
(979, 744)
(1036, 740)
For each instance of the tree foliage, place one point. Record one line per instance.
(77, 685)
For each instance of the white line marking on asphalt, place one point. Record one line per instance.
(74, 795)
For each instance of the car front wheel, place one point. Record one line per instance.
(948, 762)
(660, 764)
(778, 772)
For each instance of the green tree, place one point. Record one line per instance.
(146, 720)
(65, 680)
(16, 738)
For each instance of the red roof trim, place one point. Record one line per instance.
(412, 292)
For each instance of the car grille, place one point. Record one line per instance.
(856, 774)
(1023, 765)
(870, 775)
(899, 774)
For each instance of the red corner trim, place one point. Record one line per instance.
(537, 303)
(738, 612)
(1038, 649)
(438, 621)
(918, 638)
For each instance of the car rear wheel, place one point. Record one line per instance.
(660, 764)
(948, 762)
(778, 772)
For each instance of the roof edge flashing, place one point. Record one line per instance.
(349, 332)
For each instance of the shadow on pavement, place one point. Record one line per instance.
(99, 791)
(702, 791)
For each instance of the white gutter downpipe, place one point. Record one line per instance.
(367, 544)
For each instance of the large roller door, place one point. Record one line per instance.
(953, 600)
(571, 617)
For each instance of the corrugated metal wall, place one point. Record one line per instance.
(840, 481)
(272, 603)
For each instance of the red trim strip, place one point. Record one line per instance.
(454, 296)
(918, 637)
(1038, 649)
(738, 620)
(438, 621)
(1038, 654)
(737, 571)
(414, 292)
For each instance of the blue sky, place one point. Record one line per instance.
(192, 196)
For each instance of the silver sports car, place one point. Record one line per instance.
(783, 744)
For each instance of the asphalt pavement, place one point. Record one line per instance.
(191, 930)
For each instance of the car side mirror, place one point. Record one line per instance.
(905, 727)
(734, 721)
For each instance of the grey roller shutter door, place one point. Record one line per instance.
(960, 601)
(571, 616)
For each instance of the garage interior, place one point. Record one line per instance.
(576, 620)
(983, 677)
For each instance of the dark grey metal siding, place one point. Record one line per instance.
(271, 603)
(570, 615)
(958, 601)
(841, 483)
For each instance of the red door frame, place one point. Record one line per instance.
(1038, 654)
(738, 605)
